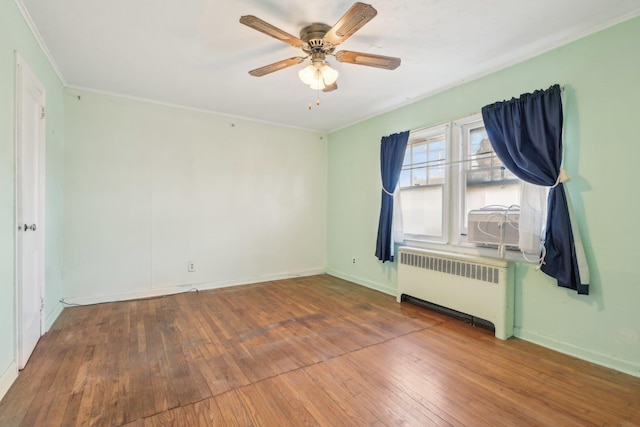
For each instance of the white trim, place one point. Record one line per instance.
(7, 378)
(16, 326)
(36, 34)
(187, 287)
(16, 214)
(188, 108)
(467, 249)
(361, 281)
(21, 68)
(605, 360)
(53, 316)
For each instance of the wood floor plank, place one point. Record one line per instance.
(265, 408)
(538, 393)
(298, 387)
(369, 391)
(207, 413)
(80, 381)
(12, 411)
(316, 351)
(483, 373)
(138, 362)
(232, 410)
(427, 379)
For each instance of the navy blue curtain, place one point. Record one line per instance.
(392, 150)
(526, 134)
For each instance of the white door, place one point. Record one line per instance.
(30, 151)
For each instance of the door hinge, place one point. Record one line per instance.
(44, 112)
(41, 303)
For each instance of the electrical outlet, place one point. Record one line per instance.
(353, 260)
(191, 267)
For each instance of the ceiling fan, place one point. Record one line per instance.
(319, 40)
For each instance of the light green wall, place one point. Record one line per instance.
(16, 36)
(149, 188)
(600, 76)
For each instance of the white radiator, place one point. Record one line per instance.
(480, 287)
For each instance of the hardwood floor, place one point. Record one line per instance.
(313, 351)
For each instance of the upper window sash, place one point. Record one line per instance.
(425, 162)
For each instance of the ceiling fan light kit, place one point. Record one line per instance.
(318, 75)
(319, 40)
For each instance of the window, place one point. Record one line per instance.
(484, 181)
(449, 171)
(424, 185)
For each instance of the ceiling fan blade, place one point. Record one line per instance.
(369, 59)
(270, 30)
(352, 21)
(330, 88)
(276, 66)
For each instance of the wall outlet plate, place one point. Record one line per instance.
(191, 267)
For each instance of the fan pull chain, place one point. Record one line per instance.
(317, 101)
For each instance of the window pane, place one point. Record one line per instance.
(422, 182)
(419, 176)
(419, 153)
(436, 175)
(484, 163)
(436, 160)
(486, 174)
(405, 178)
(479, 141)
(422, 211)
(481, 156)
(487, 182)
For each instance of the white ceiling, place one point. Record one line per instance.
(195, 53)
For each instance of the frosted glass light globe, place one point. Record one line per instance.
(329, 75)
(307, 73)
(317, 83)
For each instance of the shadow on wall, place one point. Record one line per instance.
(575, 187)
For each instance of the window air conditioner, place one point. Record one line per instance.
(492, 227)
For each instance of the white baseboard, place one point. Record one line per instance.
(7, 378)
(364, 282)
(625, 366)
(51, 317)
(177, 289)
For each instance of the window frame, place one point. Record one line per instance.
(419, 135)
(453, 209)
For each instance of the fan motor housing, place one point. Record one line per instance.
(313, 36)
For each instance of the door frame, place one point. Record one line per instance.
(22, 69)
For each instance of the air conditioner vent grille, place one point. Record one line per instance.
(493, 227)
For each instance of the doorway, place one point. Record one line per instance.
(30, 185)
